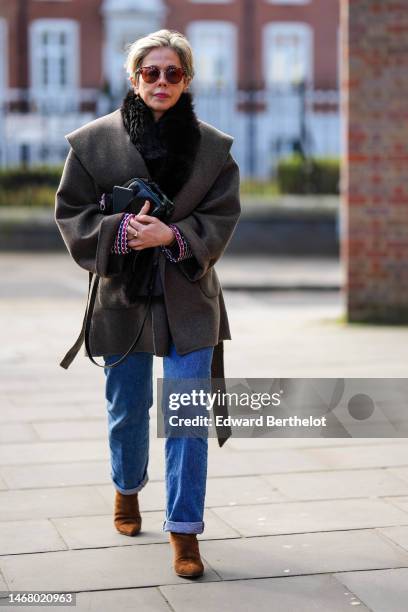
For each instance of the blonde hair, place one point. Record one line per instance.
(138, 50)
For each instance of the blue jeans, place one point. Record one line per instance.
(129, 395)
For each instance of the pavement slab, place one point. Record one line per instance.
(233, 491)
(76, 533)
(27, 536)
(318, 593)
(381, 590)
(307, 553)
(17, 432)
(94, 569)
(56, 474)
(309, 516)
(386, 454)
(84, 429)
(398, 534)
(260, 462)
(273, 443)
(399, 502)
(11, 413)
(52, 502)
(292, 524)
(337, 484)
(3, 585)
(148, 599)
(50, 452)
(220, 492)
(400, 472)
(144, 599)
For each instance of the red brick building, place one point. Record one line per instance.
(61, 63)
(374, 240)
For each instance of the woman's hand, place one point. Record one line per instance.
(144, 231)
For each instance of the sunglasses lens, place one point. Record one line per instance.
(174, 75)
(150, 75)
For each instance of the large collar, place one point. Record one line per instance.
(104, 148)
(169, 145)
(138, 120)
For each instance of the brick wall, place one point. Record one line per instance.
(20, 14)
(374, 244)
(321, 15)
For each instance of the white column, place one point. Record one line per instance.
(125, 22)
(3, 87)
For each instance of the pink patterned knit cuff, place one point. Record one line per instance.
(120, 246)
(181, 250)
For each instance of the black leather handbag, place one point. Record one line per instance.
(140, 267)
(132, 195)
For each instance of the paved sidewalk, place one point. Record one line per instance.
(235, 272)
(281, 273)
(295, 525)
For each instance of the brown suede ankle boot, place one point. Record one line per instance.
(187, 560)
(127, 516)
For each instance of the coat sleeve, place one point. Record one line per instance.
(209, 228)
(87, 233)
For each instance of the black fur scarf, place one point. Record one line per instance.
(169, 145)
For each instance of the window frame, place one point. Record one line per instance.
(273, 27)
(224, 27)
(38, 28)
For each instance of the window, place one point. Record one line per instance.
(54, 55)
(287, 53)
(120, 32)
(214, 47)
(124, 22)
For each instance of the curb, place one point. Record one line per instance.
(281, 288)
(273, 235)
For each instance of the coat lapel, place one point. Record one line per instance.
(105, 150)
(211, 156)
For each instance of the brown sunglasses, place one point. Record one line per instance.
(151, 74)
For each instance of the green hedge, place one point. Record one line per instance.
(34, 186)
(28, 196)
(317, 175)
(36, 176)
(255, 187)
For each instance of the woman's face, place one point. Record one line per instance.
(161, 57)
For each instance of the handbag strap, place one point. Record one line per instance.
(84, 334)
(73, 351)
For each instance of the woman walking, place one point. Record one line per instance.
(156, 135)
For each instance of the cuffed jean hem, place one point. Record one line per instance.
(130, 491)
(177, 527)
